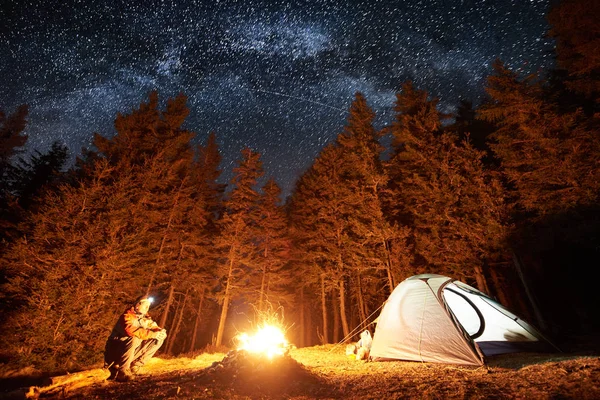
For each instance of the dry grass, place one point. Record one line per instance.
(325, 372)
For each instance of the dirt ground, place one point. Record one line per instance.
(326, 372)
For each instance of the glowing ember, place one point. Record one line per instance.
(269, 340)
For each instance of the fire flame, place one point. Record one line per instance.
(268, 340)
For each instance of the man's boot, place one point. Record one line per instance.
(124, 375)
(112, 369)
(113, 372)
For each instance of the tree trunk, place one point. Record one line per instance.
(171, 328)
(164, 238)
(324, 311)
(197, 323)
(540, 320)
(263, 284)
(163, 317)
(60, 386)
(302, 338)
(362, 309)
(353, 320)
(225, 307)
(173, 336)
(388, 267)
(481, 281)
(336, 319)
(343, 310)
(499, 287)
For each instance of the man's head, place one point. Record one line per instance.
(142, 304)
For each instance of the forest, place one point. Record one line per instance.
(503, 196)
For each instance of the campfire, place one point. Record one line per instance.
(269, 341)
(263, 355)
(261, 363)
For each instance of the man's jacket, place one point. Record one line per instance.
(133, 324)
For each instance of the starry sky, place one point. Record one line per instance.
(274, 76)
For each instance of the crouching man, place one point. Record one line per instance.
(133, 341)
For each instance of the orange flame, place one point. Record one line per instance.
(268, 340)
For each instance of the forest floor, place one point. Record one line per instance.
(326, 372)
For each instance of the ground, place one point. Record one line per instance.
(326, 372)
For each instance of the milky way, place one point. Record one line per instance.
(274, 76)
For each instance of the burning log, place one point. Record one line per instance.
(257, 371)
(261, 364)
(266, 348)
(238, 362)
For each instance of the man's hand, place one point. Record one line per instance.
(160, 335)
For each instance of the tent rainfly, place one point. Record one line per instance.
(433, 318)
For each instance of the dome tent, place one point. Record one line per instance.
(433, 318)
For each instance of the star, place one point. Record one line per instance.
(274, 76)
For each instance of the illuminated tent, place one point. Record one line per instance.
(433, 318)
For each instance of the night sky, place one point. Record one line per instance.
(275, 76)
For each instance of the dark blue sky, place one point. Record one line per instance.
(275, 76)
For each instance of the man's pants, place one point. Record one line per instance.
(127, 351)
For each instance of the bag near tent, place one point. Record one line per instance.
(433, 318)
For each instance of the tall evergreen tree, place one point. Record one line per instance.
(317, 211)
(68, 274)
(550, 158)
(209, 198)
(376, 244)
(42, 169)
(307, 273)
(575, 28)
(208, 172)
(345, 243)
(96, 244)
(12, 142)
(468, 127)
(455, 208)
(271, 279)
(12, 138)
(236, 244)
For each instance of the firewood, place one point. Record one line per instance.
(66, 383)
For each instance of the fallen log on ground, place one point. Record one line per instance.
(66, 383)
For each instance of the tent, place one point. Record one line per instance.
(433, 318)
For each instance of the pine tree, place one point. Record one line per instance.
(441, 190)
(12, 138)
(68, 274)
(575, 28)
(42, 169)
(271, 279)
(317, 211)
(343, 240)
(97, 243)
(191, 276)
(237, 231)
(468, 127)
(12, 141)
(209, 194)
(372, 235)
(207, 169)
(548, 157)
(414, 130)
